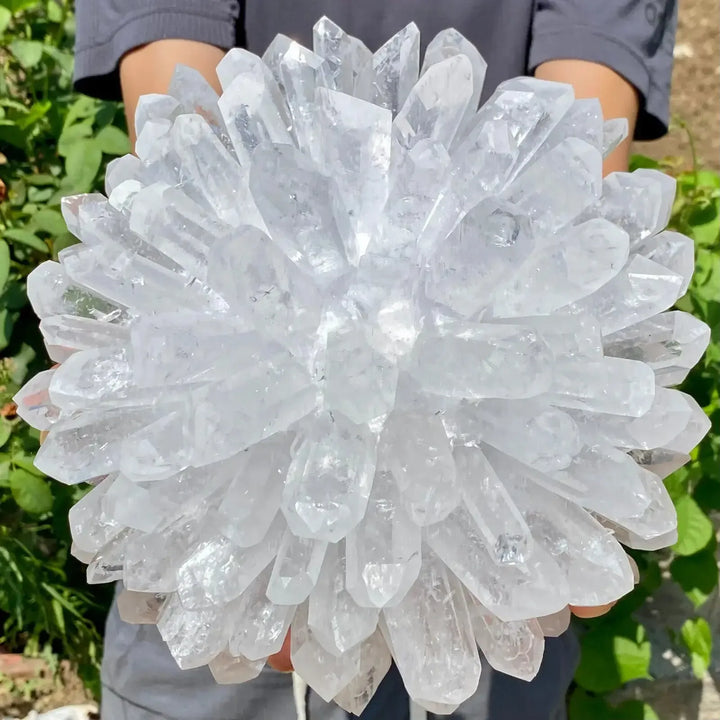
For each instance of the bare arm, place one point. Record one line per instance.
(148, 69)
(617, 97)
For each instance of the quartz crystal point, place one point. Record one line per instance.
(330, 478)
(450, 43)
(422, 466)
(228, 669)
(350, 359)
(296, 570)
(670, 343)
(515, 648)
(383, 552)
(252, 105)
(336, 620)
(34, 404)
(348, 60)
(511, 591)
(556, 624)
(395, 68)
(375, 661)
(258, 626)
(325, 672)
(434, 618)
(140, 608)
(194, 637)
(356, 150)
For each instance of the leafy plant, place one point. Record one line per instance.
(614, 648)
(54, 143)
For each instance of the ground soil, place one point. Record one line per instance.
(696, 86)
(29, 684)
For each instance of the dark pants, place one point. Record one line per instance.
(142, 682)
(509, 698)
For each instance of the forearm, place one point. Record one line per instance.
(617, 96)
(148, 69)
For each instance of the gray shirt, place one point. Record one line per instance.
(633, 37)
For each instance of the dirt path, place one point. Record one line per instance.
(696, 85)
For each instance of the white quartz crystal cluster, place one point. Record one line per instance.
(347, 358)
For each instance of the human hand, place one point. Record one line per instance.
(281, 661)
(590, 612)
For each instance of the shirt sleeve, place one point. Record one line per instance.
(634, 38)
(107, 29)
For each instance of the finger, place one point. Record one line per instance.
(590, 612)
(281, 661)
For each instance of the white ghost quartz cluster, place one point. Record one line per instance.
(348, 358)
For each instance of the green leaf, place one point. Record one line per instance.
(707, 267)
(27, 52)
(17, 6)
(26, 463)
(54, 11)
(4, 470)
(26, 237)
(704, 222)
(5, 431)
(31, 493)
(49, 221)
(698, 639)
(82, 164)
(633, 710)
(113, 141)
(18, 370)
(41, 179)
(72, 134)
(696, 574)
(632, 658)
(7, 325)
(40, 195)
(4, 263)
(105, 113)
(36, 112)
(83, 107)
(583, 707)
(642, 161)
(596, 671)
(11, 134)
(677, 483)
(694, 527)
(18, 192)
(708, 178)
(63, 241)
(14, 295)
(613, 652)
(59, 614)
(64, 60)
(588, 707)
(707, 492)
(5, 16)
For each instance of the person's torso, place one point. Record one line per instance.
(500, 30)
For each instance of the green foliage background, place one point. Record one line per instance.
(54, 142)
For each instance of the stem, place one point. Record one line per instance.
(60, 30)
(693, 150)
